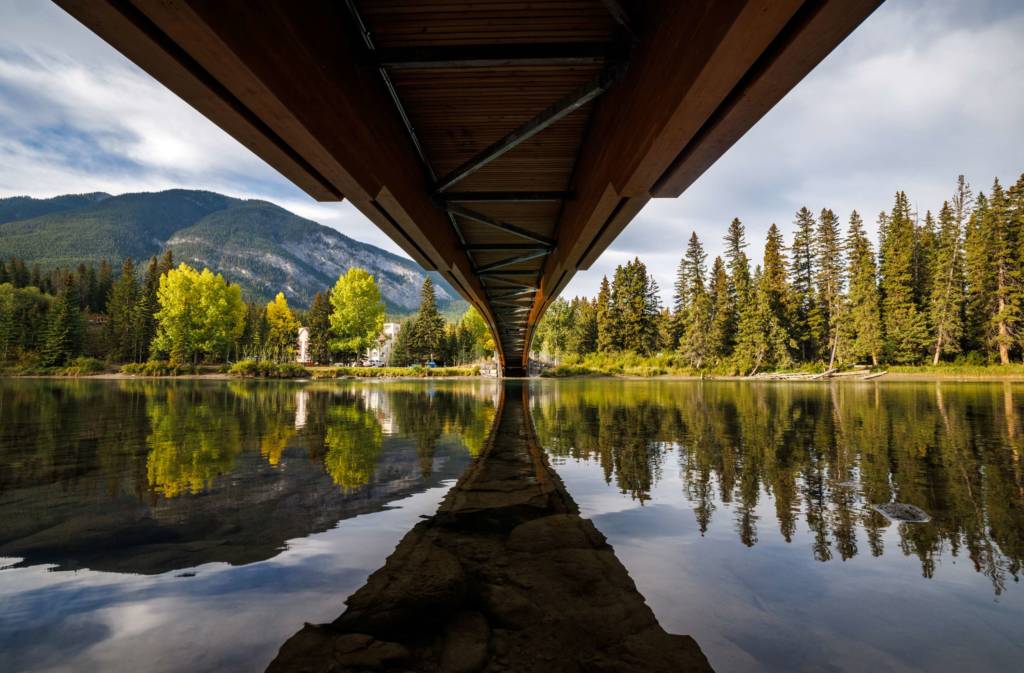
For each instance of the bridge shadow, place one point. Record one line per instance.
(506, 576)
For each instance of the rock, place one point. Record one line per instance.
(902, 512)
(465, 643)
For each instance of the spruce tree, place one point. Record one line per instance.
(1006, 239)
(905, 328)
(739, 280)
(805, 319)
(829, 281)
(861, 332)
(980, 279)
(146, 308)
(925, 242)
(723, 324)
(122, 330)
(319, 319)
(1015, 211)
(607, 339)
(946, 302)
(65, 329)
(428, 332)
(696, 321)
(635, 308)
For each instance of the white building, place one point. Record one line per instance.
(380, 352)
(302, 352)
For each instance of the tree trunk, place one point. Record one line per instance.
(938, 349)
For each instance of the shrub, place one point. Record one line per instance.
(268, 370)
(82, 366)
(157, 368)
(393, 372)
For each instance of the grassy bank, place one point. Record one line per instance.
(392, 372)
(672, 365)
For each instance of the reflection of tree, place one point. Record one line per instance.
(353, 439)
(193, 439)
(824, 453)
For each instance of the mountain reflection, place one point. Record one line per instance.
(819, 454)
(150, 476)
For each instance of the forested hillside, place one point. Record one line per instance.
(261, 246)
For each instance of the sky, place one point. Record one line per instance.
(922, 91)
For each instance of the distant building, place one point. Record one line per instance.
(380, 352)
(302, 352)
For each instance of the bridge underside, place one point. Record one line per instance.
(504, 144)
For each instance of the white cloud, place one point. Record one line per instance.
(921, 92)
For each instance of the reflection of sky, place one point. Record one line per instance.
(773, 607)
(224, 618)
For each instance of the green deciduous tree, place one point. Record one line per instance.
(283, 328)
(357, 314)
(200, 315)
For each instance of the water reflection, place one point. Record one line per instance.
(148, 477)
(505, 576)
(818, 454)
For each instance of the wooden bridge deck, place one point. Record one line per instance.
(503, 143)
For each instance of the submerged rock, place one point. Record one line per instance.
(902, 512)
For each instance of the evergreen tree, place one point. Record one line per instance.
(980, 277)
(1006, 239)
(635, 308)
(739, 281)
(721, 331)
(946, 303)
(428, 328)
(695, 321)
(122, 330)
(1015, 213)
(829, 281)
(762, 340)
(101, 292)
(607, 337)
(146, 308)
(805, 321)
(65, 329)
(319, 325)
(925, 242)
(861, 333)
(905, 328)
(582, 338)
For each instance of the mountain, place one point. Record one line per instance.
(261, 246)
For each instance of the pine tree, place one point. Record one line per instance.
(122, 330)
(319, 319)
(696, 321)
(829, 281)
(634, 308)
(979, 276)
(946, 302)
(804, 318)
(721, 332)
(65, 329)
(146, 308)
(925, 242)
(762, 340)
(739, 280)
(101, 292)
(774, 278)
(1006, 238)
(905, 328)
(607, 337)
(428, 331)
(1015, 213)
(861, 333)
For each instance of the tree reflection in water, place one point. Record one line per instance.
(821, 453)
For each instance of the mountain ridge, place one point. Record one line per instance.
(257, 244)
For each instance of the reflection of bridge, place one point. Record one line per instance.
(506, 576)
(503, 146)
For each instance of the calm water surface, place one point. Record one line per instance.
(197, 525)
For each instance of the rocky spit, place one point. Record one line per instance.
(506, 576)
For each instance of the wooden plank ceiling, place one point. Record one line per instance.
(504, 143)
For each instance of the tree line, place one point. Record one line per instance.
(186, 317)
(943, 286)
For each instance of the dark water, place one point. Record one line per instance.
(197, 525)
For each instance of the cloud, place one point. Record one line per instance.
(924, 90)
(920, 93)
